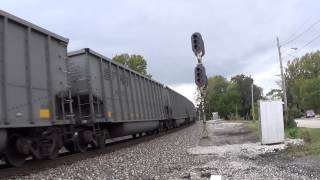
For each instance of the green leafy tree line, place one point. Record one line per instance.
(302, 77)
(232, 99)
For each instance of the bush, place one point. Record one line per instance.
(292, 124)
(305, 135)
(235, 117)
(293, 132)
(293, 113)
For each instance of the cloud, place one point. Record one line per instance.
(239, 36)
(187, 89)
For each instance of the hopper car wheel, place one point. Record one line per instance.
(12, 156)
(76, 146)
(54, 154)
(70, 147)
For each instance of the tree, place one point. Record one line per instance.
(303, 84)
(134, 62)
(230, 101)
(274, 94)
(310, 93)
(217, 85)
(223, 97)
(244, 83)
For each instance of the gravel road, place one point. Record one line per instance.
(171, 157)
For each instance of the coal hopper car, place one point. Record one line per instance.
(121, 100)
(33, 80)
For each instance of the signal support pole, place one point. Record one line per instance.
(200, 75)
(203, 101)
(284, 89)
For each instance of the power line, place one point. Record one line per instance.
(300, 34)
(308, 43)
(305, 45)
(291, 55)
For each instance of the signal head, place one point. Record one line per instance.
(197, 44)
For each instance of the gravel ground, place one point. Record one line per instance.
(176, 156)
(161, 158)
(255, 161)
(236, 157)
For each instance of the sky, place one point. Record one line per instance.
(239, 35)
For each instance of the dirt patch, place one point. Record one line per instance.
(223, 133)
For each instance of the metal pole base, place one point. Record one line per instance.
(204, 133)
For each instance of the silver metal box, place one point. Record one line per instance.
(271, 122)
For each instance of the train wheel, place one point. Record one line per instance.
(70, 147)
(84, 139)
(54, 154)
(12, 156)
(76, 146)
(82, 147)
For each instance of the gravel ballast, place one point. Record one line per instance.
(178, 156)
(160, 158)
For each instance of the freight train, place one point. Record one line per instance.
(50, 98)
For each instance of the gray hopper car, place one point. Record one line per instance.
(50, 99)
(106, 92)
(32, 80)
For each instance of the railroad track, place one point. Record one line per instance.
(33, 166)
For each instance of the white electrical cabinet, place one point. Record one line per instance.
(271, 122)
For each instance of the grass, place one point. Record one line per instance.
(311, 137)
(253, 125)
(312, 142)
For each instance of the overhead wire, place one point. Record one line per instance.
(302, 33)
(304, 46)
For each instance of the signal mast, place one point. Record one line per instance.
(201, 79)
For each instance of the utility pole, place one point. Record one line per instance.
(284, 89)
(252, 103)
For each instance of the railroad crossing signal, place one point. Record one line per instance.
(197, 44)
(200, 76)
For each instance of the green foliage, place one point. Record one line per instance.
(226, 97)
(134, 62)
(293, 132)
(312, 142)
(274, 94)
(303, 82)
(310, 93)
(217, 86)
(244, 84)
